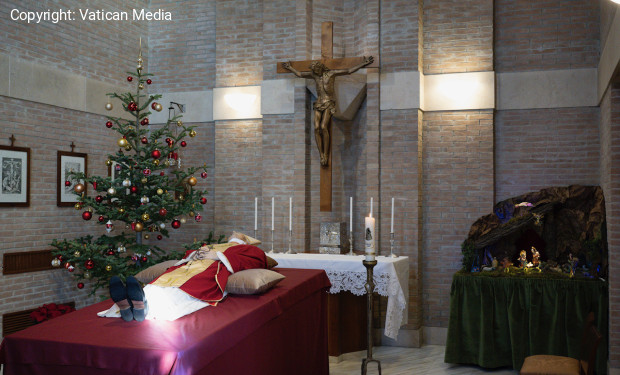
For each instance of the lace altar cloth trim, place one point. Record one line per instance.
(385, 285)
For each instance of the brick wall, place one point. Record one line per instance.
(534, 35)
(182, 51)
(458, 189)
(545, 147)
(610, 115)
(399, 36)
(239, 43)
(399, 180)
(458, 36)
(103, 50)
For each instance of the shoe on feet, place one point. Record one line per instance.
(118, 293)
(135, 293)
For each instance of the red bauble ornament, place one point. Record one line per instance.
(145, 121)
(71, 269)
(154, 105)
(198, 218)
(144, 259)
(203, 200)
(132, 106)
(86, 215)
(98, 199)
(129, 78)
(147, 172)
(183, 143)
(110, 253)
(133, 189)
(148, 81)
(203, 175)
(80, 285)
(159, 236)
(118, 167)
(67, 183)
(144, 140)
(163, 211)
(101, 219)
(176, 224)
(67, 265)
(109, 124)
(89, 264)
(155, 154)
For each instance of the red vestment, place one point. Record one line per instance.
(209, 284)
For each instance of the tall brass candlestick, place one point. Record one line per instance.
(370, 287)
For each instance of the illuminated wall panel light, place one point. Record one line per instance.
(459, 91)
(237, 103)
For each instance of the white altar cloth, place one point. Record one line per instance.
(347, 273)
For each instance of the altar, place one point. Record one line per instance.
(347, 274)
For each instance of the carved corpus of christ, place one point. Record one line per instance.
(325, 105)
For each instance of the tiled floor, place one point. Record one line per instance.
(408, 361)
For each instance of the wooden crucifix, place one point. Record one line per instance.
(324, 72)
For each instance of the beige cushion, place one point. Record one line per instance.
(549, 365)
(271, 262)
(149, 274)
(249, 240)
(253, 281)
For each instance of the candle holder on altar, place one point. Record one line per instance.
(370, 287)
(350, 244)
(290, 238)
(392, 246)
(271, 251)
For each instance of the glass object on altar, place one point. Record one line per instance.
(333, 238)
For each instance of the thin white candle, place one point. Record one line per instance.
(392, 221)
(272, 211)
(370, 206)
(350, 214)
(290, 213)
(255, 213)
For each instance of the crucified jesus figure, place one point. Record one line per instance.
(325, 105)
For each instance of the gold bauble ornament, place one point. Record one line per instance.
(108, 162)
(144, 180)
(77, 254)
(181, 197)
(109, 106)
(146, 217)
(192, 181)
(156, 162)
(158, 107)
(141, 86)
(128, 147)
(146, 236)
(122, 142)
(183, 220)
(192, 133)
(179, 123)
(138, 227)
(191, 213)
(108, 268)
(160, 191)
(121, 210)
(87, 275)
(167, 163)
(78, 206)
(79, 188)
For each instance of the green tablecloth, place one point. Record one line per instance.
(498, 321)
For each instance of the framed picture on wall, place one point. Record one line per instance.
(68, 162)
(14, 176)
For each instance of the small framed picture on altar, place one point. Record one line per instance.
(67, 163)
(14, 176)
(114, 170)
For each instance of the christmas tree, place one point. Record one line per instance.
(147, 192)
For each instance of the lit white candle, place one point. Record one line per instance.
(255, 213)
(290, 213)
(350, 214)
(392, 221)
(272, 211)
(369, 237)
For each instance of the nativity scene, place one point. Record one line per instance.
(315, 187)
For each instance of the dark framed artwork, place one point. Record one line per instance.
(14, 176)
(68, 162)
